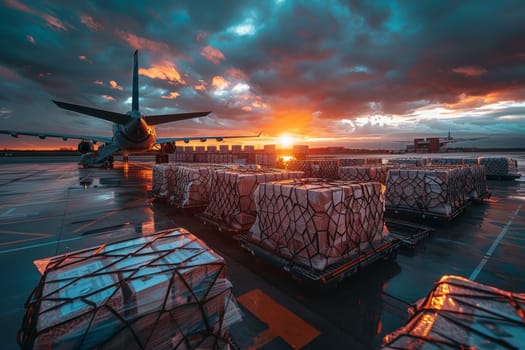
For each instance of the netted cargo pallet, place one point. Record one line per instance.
(500, 168)
(316, 222)
(407, 232)
(363, 173)
(321, 168)
(191, 185)
(463, 314)
(332, 274)
(163, 176)
(409, 161)
(437, 193)
(476, 183)
(231, 202)
(163, 291)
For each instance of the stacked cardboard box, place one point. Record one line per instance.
(363, 173)
(231, 197)
(463, 314)
(427, 190)
(316, 222)
(321, 168)
(164, 291)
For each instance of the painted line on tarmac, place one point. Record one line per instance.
(492, 248)
(281, 321)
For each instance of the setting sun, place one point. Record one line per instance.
(286, 140)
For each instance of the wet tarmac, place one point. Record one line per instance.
(48, 208)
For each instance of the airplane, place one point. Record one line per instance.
(424, 145)
(132, 132)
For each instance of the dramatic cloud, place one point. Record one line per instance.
(164, 70)
(212, 54)
(321, 71)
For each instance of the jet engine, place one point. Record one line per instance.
(168, 147)
(85, 147)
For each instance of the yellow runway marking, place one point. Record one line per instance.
(281, 322)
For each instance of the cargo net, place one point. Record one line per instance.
(462, 314)
(164, 291)
(409, 162)
(315, 222)
(363, 173)
(499, 166)
(322, 168)
(359, 161)
(162, 180)
(192, 184)
(231, 202)
(438, 190)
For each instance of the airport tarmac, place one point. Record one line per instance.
(49, 208)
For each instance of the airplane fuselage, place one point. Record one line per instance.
(136, 135)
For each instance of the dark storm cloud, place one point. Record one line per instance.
(335, 59)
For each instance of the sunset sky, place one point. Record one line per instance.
(348, 73)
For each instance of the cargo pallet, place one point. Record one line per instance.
(221, 226)
(407, 232)
(508, 177)
(423, 214)
(334, 273)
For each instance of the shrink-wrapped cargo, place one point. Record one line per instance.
(463, 314)
(249, 148)
(499, 166)
(224, 148)
(211, 148)
(321, 168)
(270, 148)
(236, 148)
(363, 173)
(434, 191)
(266, 159)
(315, 222)
(231, 197)
(163, 291)
(162, 181)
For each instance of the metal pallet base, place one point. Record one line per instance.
(407, 232)
(334, 273)
(422, 214)
(221, 226)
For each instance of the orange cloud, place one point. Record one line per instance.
(237, 74)
(19, 6)
(114, 85)
(108, 97)
(141, 43)
(212, 54)
(219, 82)
(172, 95)
(164, 70)
(470, 71)
(200, 87)
(52, 21)
(91, 23)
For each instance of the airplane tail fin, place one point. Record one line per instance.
(135, 94)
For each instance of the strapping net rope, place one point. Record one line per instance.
(232, 195)
(363, 173)
(463, 314)
(316, 222)
(164, 291)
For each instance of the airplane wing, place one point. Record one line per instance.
(65, 137)
(166, 118)
(161, 140)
